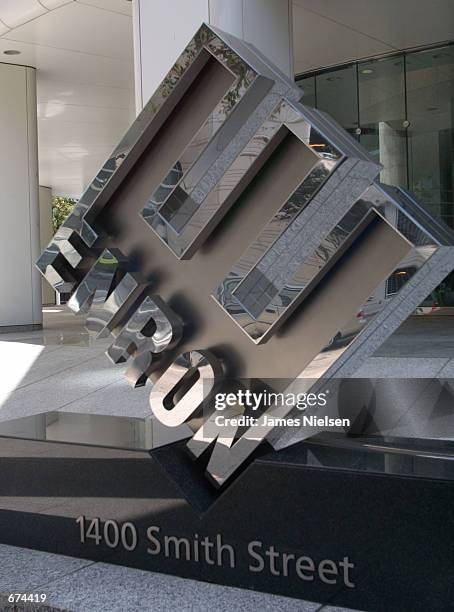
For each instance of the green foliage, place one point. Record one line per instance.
(61, 207)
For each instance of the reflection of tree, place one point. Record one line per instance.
(176, 72)
(303, 193)
(244, 76)
(331, 244)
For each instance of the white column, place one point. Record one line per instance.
(45, 236)
(20, 282)
(393, 154)
(163, 28)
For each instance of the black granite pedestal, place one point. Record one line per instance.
(366, 523)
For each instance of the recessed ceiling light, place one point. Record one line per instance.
(367, 71)
(11, 52)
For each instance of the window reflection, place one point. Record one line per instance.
(430, 101)
(401, 108)
(308, 87)
(337, 94)
(381, 93)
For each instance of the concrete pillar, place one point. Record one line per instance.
(163, 28)
(20, 282)
(393, 155)
(45, 236)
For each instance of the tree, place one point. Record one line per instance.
(61, 207)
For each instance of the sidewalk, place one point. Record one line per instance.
(78, 585)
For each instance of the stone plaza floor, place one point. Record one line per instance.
(59, 368)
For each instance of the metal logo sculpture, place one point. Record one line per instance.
(307, 236)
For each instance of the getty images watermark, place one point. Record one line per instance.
(266, 403)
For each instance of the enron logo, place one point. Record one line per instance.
(308, 237)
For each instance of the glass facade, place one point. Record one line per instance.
(401, 109)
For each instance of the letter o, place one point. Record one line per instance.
(198, 369)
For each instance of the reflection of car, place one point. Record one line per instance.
(429, 305)
(349, 331)
(387, 290)
(439, 302)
